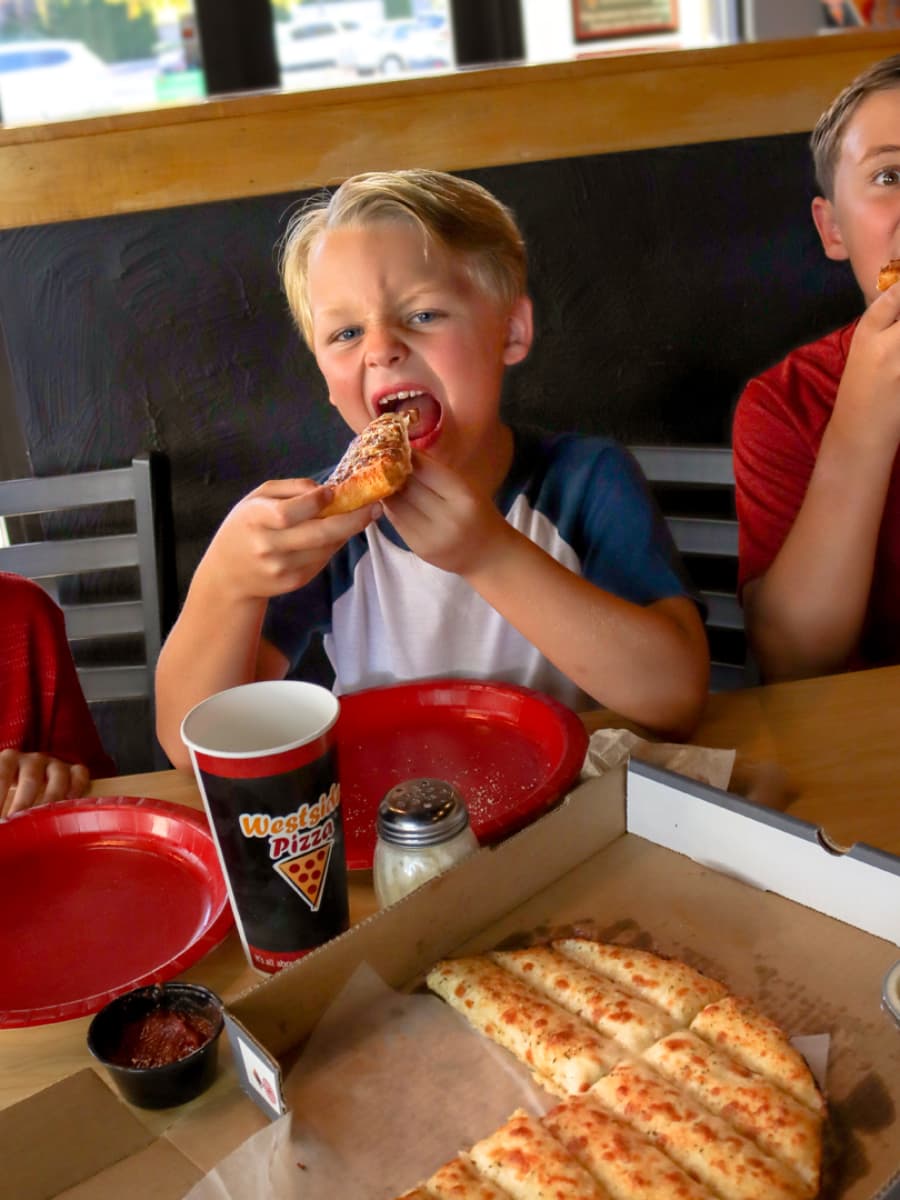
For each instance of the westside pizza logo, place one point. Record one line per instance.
(306, 874)
(300, 844)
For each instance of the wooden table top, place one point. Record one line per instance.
(829, 746)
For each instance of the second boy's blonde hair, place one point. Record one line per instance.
(828, 134)
(456, 213)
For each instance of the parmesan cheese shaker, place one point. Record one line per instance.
(423, 828)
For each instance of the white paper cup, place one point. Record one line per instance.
(265, 758)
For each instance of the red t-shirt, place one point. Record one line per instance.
(778, 428)
(42, 706)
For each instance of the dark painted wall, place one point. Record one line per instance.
(663, 279)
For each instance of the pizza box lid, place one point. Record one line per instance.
(734, 888)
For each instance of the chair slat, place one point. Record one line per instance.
(103, 620)
(686, 464)
(25, 497)
(114, 683)
(41, 560)
(723, 610)
(704, 535)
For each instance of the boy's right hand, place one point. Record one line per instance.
(273, 540)
(867, 408)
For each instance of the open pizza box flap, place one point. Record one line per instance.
(755, 898)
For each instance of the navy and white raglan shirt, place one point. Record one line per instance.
(387, 616)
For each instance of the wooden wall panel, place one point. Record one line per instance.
(266, 144)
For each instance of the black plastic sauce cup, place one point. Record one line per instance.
(173, 1082)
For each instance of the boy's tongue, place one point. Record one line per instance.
(429, 414)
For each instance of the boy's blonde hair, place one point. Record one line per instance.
(457, 214)
(826, 138)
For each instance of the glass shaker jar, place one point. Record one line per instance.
(423, 828)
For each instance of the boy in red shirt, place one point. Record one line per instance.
(816, 437)
(49, 745)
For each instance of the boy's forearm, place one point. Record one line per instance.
(213, 645)
(805, 616)
(649, 664)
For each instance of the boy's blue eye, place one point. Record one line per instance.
(423, 318)
(346, 335)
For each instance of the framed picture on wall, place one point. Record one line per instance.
(620, 18)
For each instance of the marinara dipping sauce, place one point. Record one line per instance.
(159, 1043)
(161, 1037)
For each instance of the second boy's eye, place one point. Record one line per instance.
(887, 176)
(426, 316)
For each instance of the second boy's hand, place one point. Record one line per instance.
(867, 409)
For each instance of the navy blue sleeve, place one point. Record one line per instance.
(597, 496)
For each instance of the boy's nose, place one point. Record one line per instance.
(383, 348)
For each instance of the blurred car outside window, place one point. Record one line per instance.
(401, 46)
(78, 58)
(42, 80)
(310, 45)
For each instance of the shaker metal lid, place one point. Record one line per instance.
(421, 812)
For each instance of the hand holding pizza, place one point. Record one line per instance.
(29, 779)
(273, 541)
(867, 408)
(445, 521)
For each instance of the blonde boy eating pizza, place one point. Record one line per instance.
(509, 554)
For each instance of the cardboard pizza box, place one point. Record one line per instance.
(756, 898)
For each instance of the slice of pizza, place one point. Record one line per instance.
(459, 1180)
(307, 873)
(620, 1015)
(624, 1161)
(529, 1163)
(758, 1109)
(675, 987)
(888, 275)
(376, 464)
(565, 1054)
(735, 1024)
(701, 1143)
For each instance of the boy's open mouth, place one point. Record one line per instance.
(426, 409)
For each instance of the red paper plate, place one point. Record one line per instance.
(511, 751)
(101, 895)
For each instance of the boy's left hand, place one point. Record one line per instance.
(445, 521)
(28, 779)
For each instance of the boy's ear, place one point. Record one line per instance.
(826, 223)
(519, 331)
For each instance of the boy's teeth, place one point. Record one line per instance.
(395, 396)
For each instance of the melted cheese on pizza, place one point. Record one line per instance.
(704, 1145)
(625, 1162)
(459, 1179)
(632, 1022)
(677, 988)
(528, 1163)
(566, 1054)
(735, 1025)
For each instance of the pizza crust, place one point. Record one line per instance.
(565, 1054)
(459, 1179)
(888, 275)
(376, 464)
(528, 1163)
